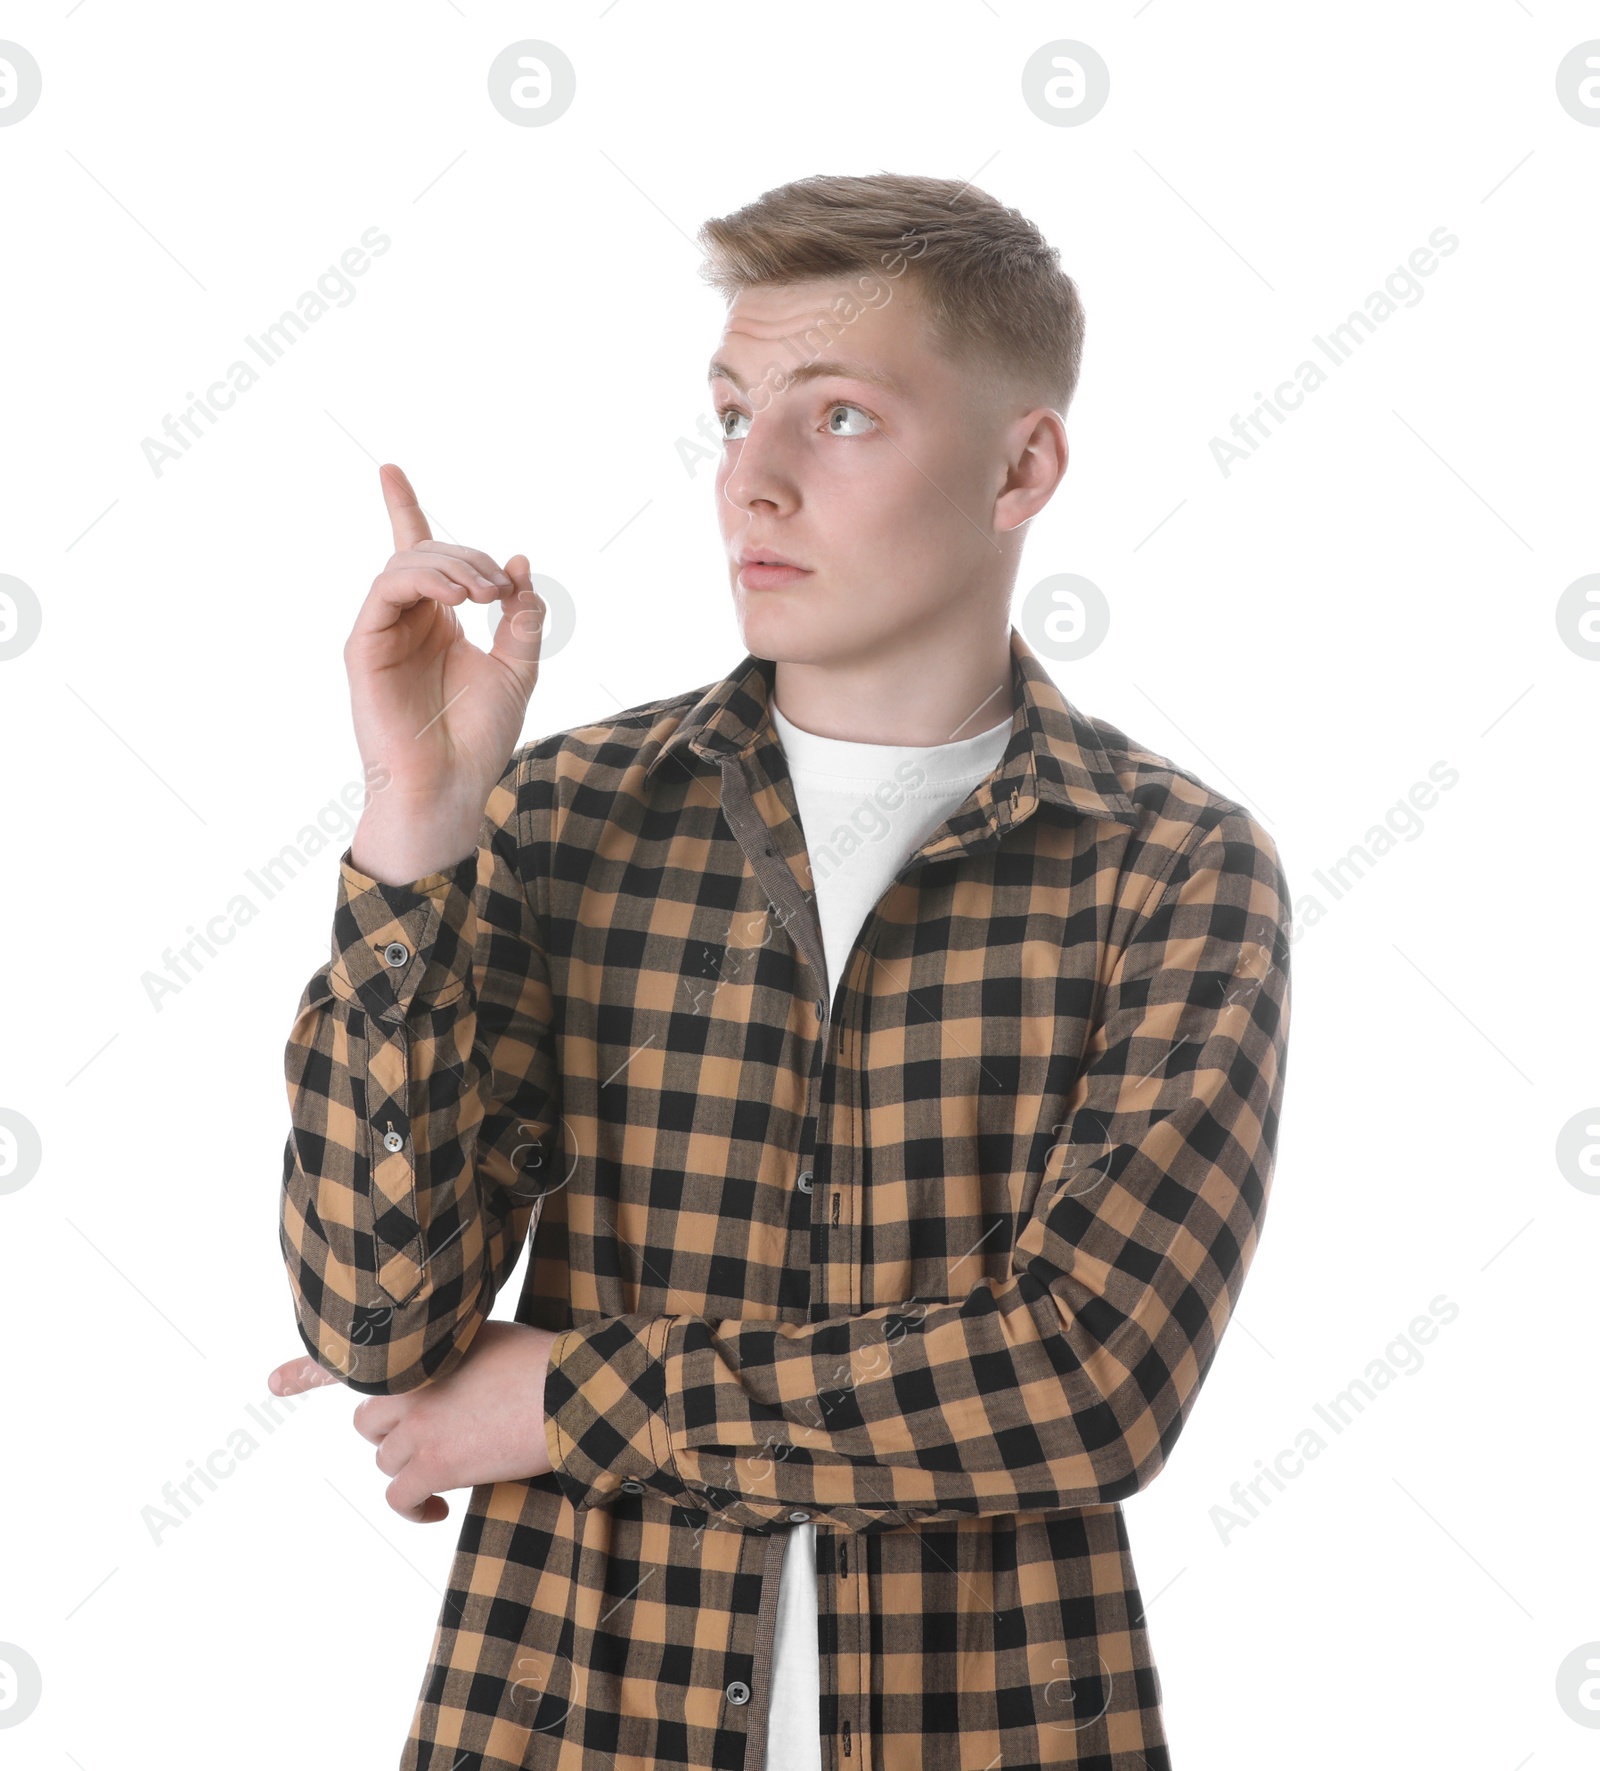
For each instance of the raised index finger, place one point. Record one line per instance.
(405, 514)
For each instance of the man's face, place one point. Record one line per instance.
(877, 477)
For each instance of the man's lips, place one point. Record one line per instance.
(762, 569)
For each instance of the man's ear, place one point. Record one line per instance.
(1035, 465)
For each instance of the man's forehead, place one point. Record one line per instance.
(839, 326)
(771, 307)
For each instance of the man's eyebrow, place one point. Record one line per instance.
(822, 366)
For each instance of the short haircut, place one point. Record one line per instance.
(992, 286)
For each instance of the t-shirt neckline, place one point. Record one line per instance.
(848, 759)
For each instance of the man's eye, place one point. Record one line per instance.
(739, 417)
(833, 429)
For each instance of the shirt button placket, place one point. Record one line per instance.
(852, 1746)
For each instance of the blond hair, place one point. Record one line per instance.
(991, 284)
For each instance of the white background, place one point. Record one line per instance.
(1372, 592)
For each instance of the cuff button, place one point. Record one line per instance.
(396, 954)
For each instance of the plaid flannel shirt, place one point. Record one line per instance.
(934, 1255)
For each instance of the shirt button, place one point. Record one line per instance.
(798, 1518)
(804, 1182)
(822, 1008)
(393, 1141)
(632, 1487)
(738, 1692)
(396, 953)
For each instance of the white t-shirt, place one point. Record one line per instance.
(856, 844)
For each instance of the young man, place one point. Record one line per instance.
(886, 1056)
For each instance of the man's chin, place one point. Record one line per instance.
(789, 626)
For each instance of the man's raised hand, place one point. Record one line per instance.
(436, 718)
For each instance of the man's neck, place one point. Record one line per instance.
(930, 693)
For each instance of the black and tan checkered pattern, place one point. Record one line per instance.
(935, 1254)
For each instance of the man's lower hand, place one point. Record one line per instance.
(482, 1423)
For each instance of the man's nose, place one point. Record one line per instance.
(762, 473)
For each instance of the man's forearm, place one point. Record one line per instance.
(410, 1176)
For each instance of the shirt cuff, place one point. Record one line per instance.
(391, 942)
(608, 1419)
(605, 1400)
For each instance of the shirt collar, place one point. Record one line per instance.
(1053, 754)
